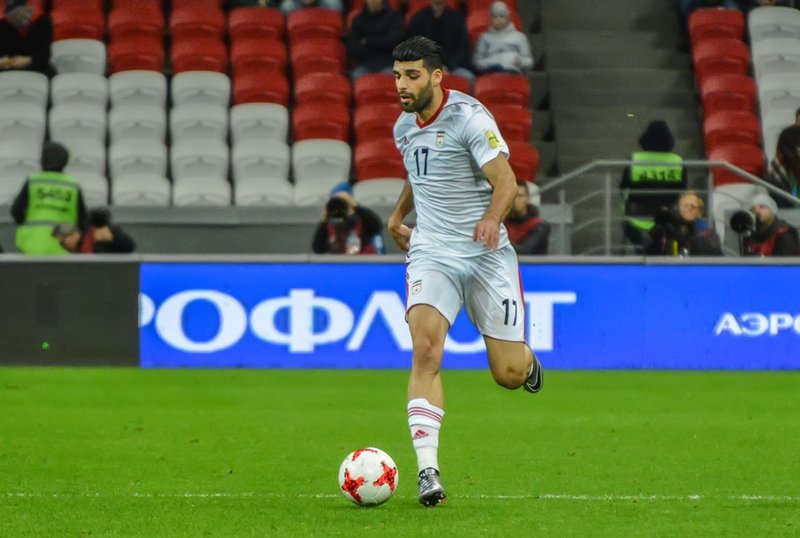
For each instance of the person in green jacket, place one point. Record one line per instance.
(46, 199)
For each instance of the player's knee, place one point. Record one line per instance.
(509, 378)
(427, 353)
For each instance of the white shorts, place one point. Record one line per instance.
(489, 285)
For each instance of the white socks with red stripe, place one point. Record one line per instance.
(424, 421)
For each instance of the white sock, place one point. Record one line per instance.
(424, 421)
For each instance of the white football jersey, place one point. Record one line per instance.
(443, 158)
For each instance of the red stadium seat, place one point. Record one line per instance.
(524, 160)
(373, 122)
(317, 56)
(514, 121)
(199, 55)
(261, 87)
(478, 5)
(378, 159)
(480, 21)
(331, 88)
(715, 23)
(193, 22)
(720, 57)
(313, 23)
(321, 120)
(136, 20)
(457, 82)
(258, 54)
(255, 22)
(78, 24)
(132, 53)
(96, 5)
(748, 157)
(200, 4)
(728, 127)
(728, 92)
(375, 88)
(504, 88)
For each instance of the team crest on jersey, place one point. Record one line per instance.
(439, 139)
(494, 142)
(416, 287)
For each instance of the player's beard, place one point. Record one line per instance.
(420, 102)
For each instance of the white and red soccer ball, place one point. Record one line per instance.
(368, 476)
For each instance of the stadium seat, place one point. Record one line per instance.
(503, 88)
(196, 23)
(197, 4)
(201, 87)
(198, 121)
(94, 189)
(249, 55)
(773, 121)
(317, 56)
(773, 21)
(480, 21)
(136, 121)
(141, 190)
(138, 88)
(319, 120)
(524, 160)
(259, 121)
(373, 122)
(18, 160)
(728, 92)
(68, 122)
(514, 121)
(776, 55)
(86, 157)
(715, 23)
(79, 89)
(748, 157)
(96, 5)
(255, 23)
(261, 88)
(376, 88)
(199, 158)
(332, 88)
(23, 87)
(378, 192)
(137, 158)
(378, 159)
(720, 57)
(779, 90)
(457, 82)
(729, 127)
(319, 165)
(201, 191)
(22, 122)
(255, 191)
(255, 159)
(199, 54)
(71, 23)
(313, 23)
(78, 56)
(137, 20)
(136, 53)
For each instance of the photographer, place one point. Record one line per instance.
(683, 232)
(102, 237)
(348, 228)
(762, 232)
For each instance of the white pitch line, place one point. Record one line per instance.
(541, 496)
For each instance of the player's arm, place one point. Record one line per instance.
(399, 231)
(501, 176)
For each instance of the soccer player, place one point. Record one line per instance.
(461, 186)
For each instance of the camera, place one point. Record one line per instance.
(743, 221)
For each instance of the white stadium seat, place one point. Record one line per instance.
(201, 87)
(23, 87)
(68, 122)
(201, 191)
(86, 156)
(141, 190)
(80, 89)
(378, 191)
(773, 21)
(198, 120)
(776, 55)
(18, 160)
(94, 188)
(259, 121)
(255, 191)
(137, 121)
(318, 165)
(78, 56)
(137, 158)
(199, 158)
(138, 87)
(23, 122)
(255, 159)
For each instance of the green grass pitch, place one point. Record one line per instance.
(128, 452)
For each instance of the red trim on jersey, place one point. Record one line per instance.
(438, 110)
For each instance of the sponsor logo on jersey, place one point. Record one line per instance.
(494, 142)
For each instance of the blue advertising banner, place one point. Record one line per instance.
(305, 315)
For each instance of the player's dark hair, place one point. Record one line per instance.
(420, 48)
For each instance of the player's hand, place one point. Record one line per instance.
(487, 232)
(400, 233)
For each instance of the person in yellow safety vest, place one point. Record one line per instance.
(48, 198)
(655, 184)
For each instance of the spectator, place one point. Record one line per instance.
(762, 232)
(502, 47)
(683, 232)
(647, 188)
(348, 228)
(233, 4)
(374, 33)
(784, 169)
(528, 233)
(287, 6)
(447, 27)
(26, 34)
(47, 198)
(747, 5)
(102, 237)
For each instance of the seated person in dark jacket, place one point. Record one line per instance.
(683, 232)
(374, 33)
(348, 228)
(528, 233)
(26, 34)
(784, 169)
(102, 237)
(447, 27)
(764, 234)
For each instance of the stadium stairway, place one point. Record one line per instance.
(613, 66)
